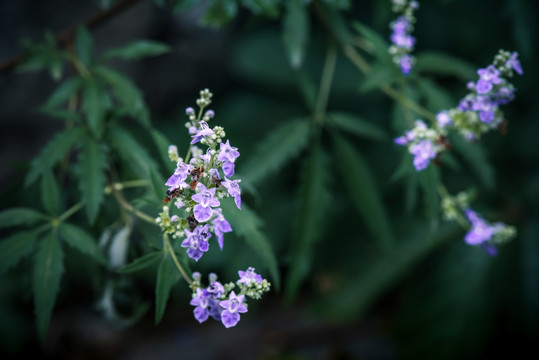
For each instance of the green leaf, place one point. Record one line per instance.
(475, 155)
(167, 276)
(379, 45)
(157, 183)
(80, 240)
(16, 247)
(48, 269)
(20, 216)
(437, 97)
(131, 152)
(296, 27)
(50, 195)
(247, 224)
(93, 106)
(127, 94)
(92, 181)
(356, 125)
(429, 180)
(53, 152)
(64, 92)
(141, 263)
(137, 50)
(84, 45)
(336, 23)
(314, 200)
(219, 13)
(381, 75)
(277, 149)
(65, 115)
(444, 64)
(363, 191)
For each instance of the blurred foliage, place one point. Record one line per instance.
(333, 209)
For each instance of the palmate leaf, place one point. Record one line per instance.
(93, 106)
(131, 152)
(16, 247)
(247, 224)
(48, 269)
(126, 93)
(277, 149)
(20, 216)
(314, 197)
(167, 276)
(361, 185)
(137, 50)
(162, 143)
(50, 195)
(79, 239)
(92, 181)
(356, 125)
(53, 152)
(296, 27)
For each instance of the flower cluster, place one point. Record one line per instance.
(198, 185)
(479, 112)
(480, 233)
(221, 302)
(402, 40)
(423, 143)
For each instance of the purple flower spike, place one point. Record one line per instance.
(227, 152)
(423, 152)
(233, 307)
(406, 64)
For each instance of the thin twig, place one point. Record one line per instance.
(175, 259)
(126, 205)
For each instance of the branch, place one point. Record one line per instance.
(66, 36)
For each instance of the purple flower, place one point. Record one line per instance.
(202, 213)
(233, 307)
(443, 119)
(180, 174)
(227, 152)
(205, 196)
(514, 63)
(201, 302)
(233, 189)
(189, 111)
(480, 232)
(228, 168)
(407, 138)
(486, 108)
(488, 77)
(220, 227)
(197, 242)
(216, 289)
(204, 131)
(423, 152)
(246, 277)
(406, 63)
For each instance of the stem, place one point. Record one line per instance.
(325, 83)
(362, 65)
(121, 200)
(175, 259)
(70, 212)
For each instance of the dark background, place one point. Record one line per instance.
(436, 307)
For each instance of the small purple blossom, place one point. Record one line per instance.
(227, 152)
(233, 189)
(204, 131)
(248, 276)
(180, 174)
(423, 152)
(197, 242)
(488, 77)
(233, 307)
(220, 227)
(189, 111)
(205, 196)
(480, 232)
(443, 119)
(406, 63)
(228, 168)
(514, 63)
(201, 302)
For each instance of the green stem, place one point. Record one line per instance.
(131, 209)
(325, 83)
(175, 259)
(69, 212)
(81, 68)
